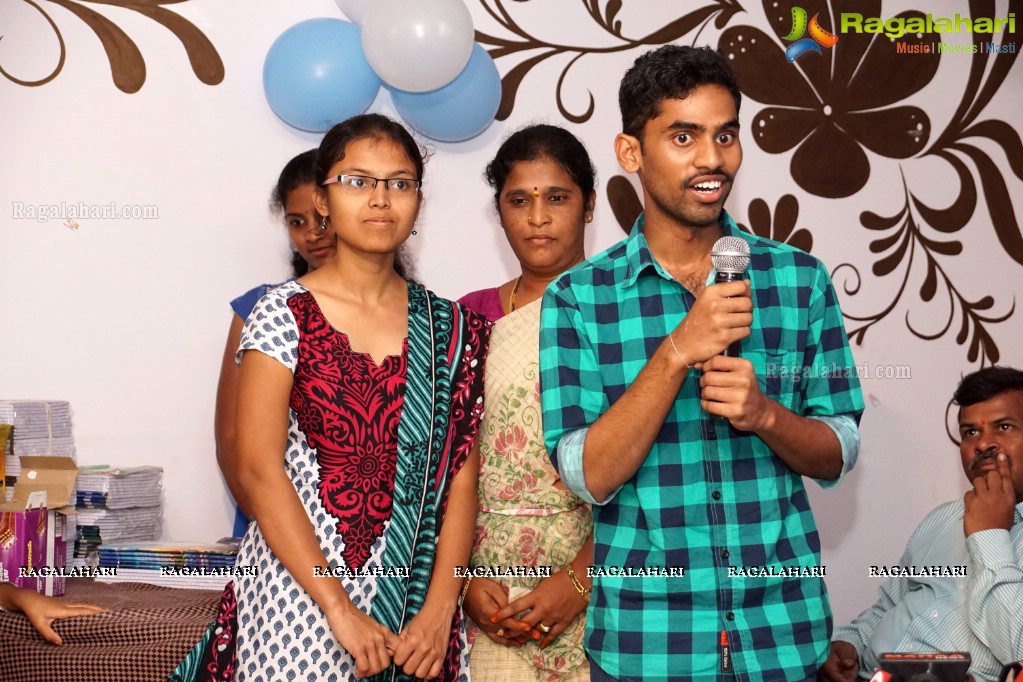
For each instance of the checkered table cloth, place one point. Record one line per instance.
(144, 635)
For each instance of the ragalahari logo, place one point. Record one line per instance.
(818, 36)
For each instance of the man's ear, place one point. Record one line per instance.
(629, 152)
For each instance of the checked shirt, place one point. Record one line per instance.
(707, 497)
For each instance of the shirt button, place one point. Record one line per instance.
(730, 616)
(724, 554)
(712, 436)
(716, 495)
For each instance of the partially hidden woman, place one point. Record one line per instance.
(543, 183)
(359, 400)
(311, 247)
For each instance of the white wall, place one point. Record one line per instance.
(127, 318)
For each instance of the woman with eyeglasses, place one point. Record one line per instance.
(358, 402)
(312, 245)
(530, 627)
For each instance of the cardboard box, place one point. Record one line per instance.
(33, 526)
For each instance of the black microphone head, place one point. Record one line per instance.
(730, 254)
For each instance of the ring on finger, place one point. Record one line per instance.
(543, 628)
(500, 632)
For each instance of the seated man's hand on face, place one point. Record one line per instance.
(992, 501)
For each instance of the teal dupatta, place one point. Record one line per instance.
(439, 420)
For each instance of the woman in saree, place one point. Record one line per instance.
(530, 628)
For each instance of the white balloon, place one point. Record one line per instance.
(417, 45)
(354, 9)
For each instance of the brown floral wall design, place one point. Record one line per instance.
(834, 106)
(127, 67)
(783, 227)
(832, 109)
(519, 44)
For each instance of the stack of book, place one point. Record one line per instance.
(41, 427)
(193, 566)
(116, 505)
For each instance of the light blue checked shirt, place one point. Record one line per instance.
(981, 612)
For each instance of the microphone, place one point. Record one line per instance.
(730, 256)
(926, 667)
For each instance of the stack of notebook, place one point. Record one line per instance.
(116, 505)
(193, 566)
(41, 427)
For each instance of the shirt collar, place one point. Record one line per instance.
(637, 250)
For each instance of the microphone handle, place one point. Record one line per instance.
(733, 350)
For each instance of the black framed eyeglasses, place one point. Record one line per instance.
(364, 184)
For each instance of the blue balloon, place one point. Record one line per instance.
(315, 74)
(461, 109)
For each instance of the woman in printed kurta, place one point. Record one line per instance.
(530, 627)
(312, 245)
(359, 399)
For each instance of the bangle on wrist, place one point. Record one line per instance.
(686, 365)
(577, 584)
(465, 589)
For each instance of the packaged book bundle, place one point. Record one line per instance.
(170, 564)
(116, 504)
(40, 427)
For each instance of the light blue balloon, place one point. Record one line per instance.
(461, 109)
(315, 74)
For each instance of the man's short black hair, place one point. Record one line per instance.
(670, 72)
(985, 384)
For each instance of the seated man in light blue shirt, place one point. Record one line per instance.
(974, 545)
